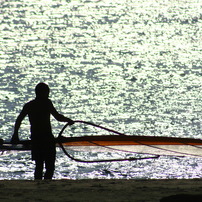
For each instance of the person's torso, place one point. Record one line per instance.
(39, 116)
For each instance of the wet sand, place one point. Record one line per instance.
(101, 190)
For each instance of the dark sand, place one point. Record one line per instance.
(100, 190)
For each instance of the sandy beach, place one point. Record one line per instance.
(101, 190)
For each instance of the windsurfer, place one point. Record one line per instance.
(42, 139)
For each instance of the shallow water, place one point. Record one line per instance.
(134, 66)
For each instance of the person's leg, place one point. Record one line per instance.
(38, 174)
(50, 167)
(50, 161)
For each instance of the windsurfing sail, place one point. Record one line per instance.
(138, 144)
(153, 145)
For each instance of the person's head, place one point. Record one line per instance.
(42, 91)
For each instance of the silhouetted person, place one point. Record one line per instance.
(42, 139)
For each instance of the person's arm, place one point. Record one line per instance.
(15, 137)
(60, 117)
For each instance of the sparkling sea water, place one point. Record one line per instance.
(131, 65)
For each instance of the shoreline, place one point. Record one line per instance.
(99, 190)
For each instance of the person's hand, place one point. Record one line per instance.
(70, 122)
(15, 139)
